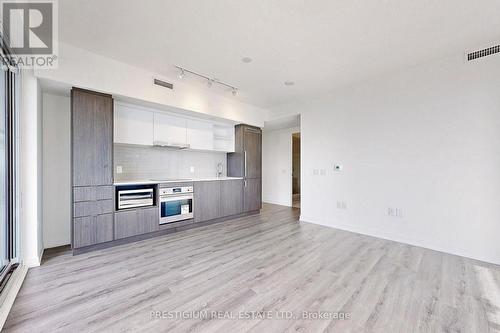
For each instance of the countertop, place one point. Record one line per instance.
(184, 180)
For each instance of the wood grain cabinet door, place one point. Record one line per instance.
(92, 138)
(103, 140)
(252, 150)
(231, 197)
(91, 230)
(252, 194)
(83, 138)
(206, 201)
(134, 222)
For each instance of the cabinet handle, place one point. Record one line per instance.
(245, 163)
(245, 182)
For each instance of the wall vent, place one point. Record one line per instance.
(483, 53)
(163, 84)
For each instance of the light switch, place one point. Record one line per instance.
(191, 169)
(119, 169)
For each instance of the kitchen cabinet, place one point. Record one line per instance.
(231, 197)
(92, 167)
(246, 162)
(223, 138)
(200, 135)
(92, 138)
(133, 125)
(206, 201)
(170, 130)
(91, 230)
(252, 194)
(132, 222)
(137, 125)
(252, 149)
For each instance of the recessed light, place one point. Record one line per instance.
(289, 83)
(246, 60)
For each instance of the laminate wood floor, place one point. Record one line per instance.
(273, 272)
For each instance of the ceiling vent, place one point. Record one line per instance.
(483, 53)
(163, 84)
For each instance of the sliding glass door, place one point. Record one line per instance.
(4, 225)
(8, 216)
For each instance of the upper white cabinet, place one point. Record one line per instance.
(144, 126)
(132, 125)
(223, 138)
(169, 130)
(200, 135)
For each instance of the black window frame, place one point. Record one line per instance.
(11, 94)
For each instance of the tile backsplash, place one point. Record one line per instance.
(140, 163)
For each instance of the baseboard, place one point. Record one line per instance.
(40, 256)
(277, 203)
(405, 240)
(32, 262)
(10, 292)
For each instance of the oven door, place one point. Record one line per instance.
(176, 208)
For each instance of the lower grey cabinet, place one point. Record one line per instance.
(134, 222)
(92, 215)
(252, 194)
(91, 230)
(206, 201)
(231, 197)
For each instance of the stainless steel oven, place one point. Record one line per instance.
(176, 204)
(137, 197)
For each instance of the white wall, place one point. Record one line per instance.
(84, 69)
(426, 140)
(29, 170)
(39, 174)
(56, 171)
(277, 166)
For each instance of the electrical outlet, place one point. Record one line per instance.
(119, 169)
(341, 205)
(395, 212)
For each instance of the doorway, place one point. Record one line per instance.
(296, 170)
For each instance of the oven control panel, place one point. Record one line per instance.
(176, 190)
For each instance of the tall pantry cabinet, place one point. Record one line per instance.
(92, 167)
(246, 162)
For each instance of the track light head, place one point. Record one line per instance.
(210, 80)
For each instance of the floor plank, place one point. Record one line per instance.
(267, 268)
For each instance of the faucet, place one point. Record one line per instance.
(219, 170)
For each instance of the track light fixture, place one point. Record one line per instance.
(210, 81)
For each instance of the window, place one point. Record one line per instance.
(8, 125)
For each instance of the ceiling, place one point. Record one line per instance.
(282, 122)
(319, 44)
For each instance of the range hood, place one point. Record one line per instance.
(170, 145)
